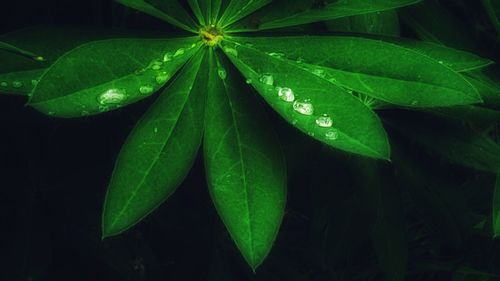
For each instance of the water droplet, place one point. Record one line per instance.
(319, 72)
(332, 80)
(324, 121)
(17, 84)
(222, 73)
(168, 57)
(300, 60)
(34, 82)
(39, 58)
(304, 107)
(51, 113)
(179, 52)
(276, 55)
(156, 130)
(4, 84)
(146, 89)
(112, 96)
(311, 134)
(249, 81)
(441, 62)
(230, 51)
(162, 77)
(267, 79)
(415, 102)
(193, 45)
(139, 71)
(155, 65)
(286, 94)
(332, 134)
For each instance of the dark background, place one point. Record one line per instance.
(54, 173)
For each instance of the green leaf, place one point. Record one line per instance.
(488, 87)
(456, 142)
(493, 10)
(471, 113)
(496, 207)
(381, 70)
(207, 11)
(159, 152)
(383, 23)
(244, 164)
(355, 127)
(104, 75)
(170, 11)
(237, 10)
(284, 13)
(19, 51)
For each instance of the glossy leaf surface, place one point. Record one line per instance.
(159, 152)
(104, 75)
(384, 71)
(244, 164)
(354, 127)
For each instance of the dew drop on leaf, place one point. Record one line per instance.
(4, 84)
(231, 51)
(267, 79)
(319, 72)
(146, 89)
(324, 121)
(112, 96)
(249, 81)
(162, 77)
(332, 134)
(304, 107)
(222, 73)
(156, 130)
(168, 57)
(286, 94)
(17, 84)
(277, 55)
(179, 52)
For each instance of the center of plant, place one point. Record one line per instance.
(211, 35)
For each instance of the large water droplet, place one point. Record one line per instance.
(162, 77)
(156, 65)
(168, 57)
(39, 58)
(179, 52)
(17, 84)
(146, 89)
(222, 73)
(324, 121)
(304, 107)
(231, 51)
(332, 134)
(155, 130)
(267, 79)
(286, 94)
(112, 96)
(4, 84)
(249, 81)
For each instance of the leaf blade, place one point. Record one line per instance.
(245, 167)
(169, 130)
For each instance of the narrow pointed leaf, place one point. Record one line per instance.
(381, 70)
(492, 7)
(284, 13)
(354, 126)
(159, 152)
(237, 10)
(19, 51)
(170, 12)
(488, 87)
(245, 167)
(104, 75)
(471, 113)
(496, 207)
(208, 11)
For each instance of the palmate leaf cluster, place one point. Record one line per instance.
(210, 97)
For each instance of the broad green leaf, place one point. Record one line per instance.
(244, 164)
(388, 229)
(170, 11)
(323, 110)
(104, 75)
(21, 82)
(383, 23)
(208, 11)
(456, 142)
(471, 113)
(284, 13)
(159, 152)
(492, 7)
(381, 70)
(51, 42)
(496, 207)
(237, 10)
